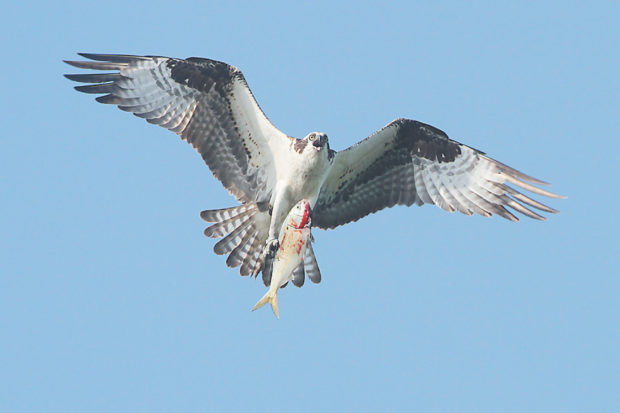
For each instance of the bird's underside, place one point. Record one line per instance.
(209, 104)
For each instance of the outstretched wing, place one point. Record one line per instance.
(410, 162)
(208, 103)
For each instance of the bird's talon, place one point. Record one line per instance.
(271, 247)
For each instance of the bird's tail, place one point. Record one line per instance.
(244, 231)
(272, 297)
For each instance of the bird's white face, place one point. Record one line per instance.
(318, 141)
(314, 149)
(300, 215)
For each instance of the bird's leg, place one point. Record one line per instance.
(269, 251)
(272, 246)
(272, 243)
(278, 210)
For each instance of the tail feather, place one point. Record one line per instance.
(219, 215)
(258, 261)
(272, 298)
(298, 275)
(241, 252)
(250, 261)
(267, 270)
(311, 267)
(226, 226)
(244, 229)
(232, 240)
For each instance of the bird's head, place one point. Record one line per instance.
(318, 140)
(314, 146)
(301, 214)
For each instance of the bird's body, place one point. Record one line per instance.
(294, 239)
(308, 168)
(209, 104)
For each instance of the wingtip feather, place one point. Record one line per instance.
(531, 188)
(111, 57)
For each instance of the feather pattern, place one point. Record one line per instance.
(209, 104)
(206, 102)
(244, 231)
(232, 240)
(267, 270)
(250, 261)
(299, 276)
(242, 251)
(218, 215)
(410, 162)
(311, 267)
(225, 227)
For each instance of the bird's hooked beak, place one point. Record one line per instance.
(319, 142)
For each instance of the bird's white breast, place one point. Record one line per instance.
(305, 175)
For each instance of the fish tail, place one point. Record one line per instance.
(274, 304)
(272, 298)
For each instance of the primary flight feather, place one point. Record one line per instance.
(209, 104)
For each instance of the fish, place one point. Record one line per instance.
(293, 257)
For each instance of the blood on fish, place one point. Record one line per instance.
(304, 219)
(300, 245)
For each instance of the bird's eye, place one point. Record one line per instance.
(312, 137)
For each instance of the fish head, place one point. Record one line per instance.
(301, 214)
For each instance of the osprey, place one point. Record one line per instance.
(209, 104)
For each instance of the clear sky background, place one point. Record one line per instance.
(111, 299)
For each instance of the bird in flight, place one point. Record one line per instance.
(209, 104)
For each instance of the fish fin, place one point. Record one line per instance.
(262, 301)
(274, 304)
(272, 298)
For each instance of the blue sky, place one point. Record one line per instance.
(111, 298)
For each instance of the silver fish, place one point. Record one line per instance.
(294, 240)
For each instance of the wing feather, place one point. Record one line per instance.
(410, 162)
(206, 102)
